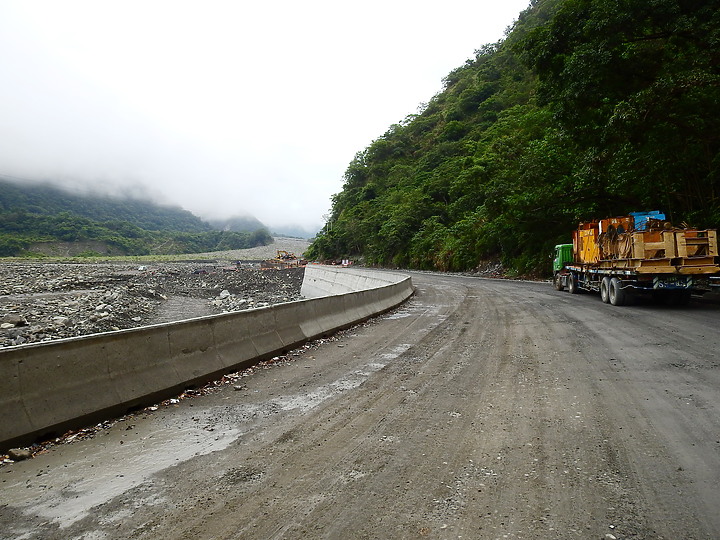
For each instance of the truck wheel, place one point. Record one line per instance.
(605, 290)
(557, 281)
(616, 293)
(572, 283)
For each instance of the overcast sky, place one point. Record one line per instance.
(222, 107)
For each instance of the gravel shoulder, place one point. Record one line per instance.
(479, 409)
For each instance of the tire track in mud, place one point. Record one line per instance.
(327, 452)
(480, 409)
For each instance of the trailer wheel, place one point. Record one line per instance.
(572, 283)
(617, 295)
(605, 290)
(557, 281)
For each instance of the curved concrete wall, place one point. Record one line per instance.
(328, 280)
(48, 388)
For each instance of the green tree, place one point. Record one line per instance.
(588, 108)
(637, 84)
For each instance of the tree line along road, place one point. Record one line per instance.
(479, 409)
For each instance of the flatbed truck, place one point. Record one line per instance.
(638, 254)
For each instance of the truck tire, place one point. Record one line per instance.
(616, 293)
(557, 281)
(572, 283)
(605, 290)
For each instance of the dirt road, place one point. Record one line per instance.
(480, 409)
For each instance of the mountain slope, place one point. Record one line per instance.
(585, 110)
(46, 219)
(47, 200)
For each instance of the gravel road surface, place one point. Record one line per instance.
(479, 409)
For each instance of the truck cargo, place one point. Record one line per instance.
(283, 261)
(639, 254)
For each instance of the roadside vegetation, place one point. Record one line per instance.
(586, 109)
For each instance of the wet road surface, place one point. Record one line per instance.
(479, 409)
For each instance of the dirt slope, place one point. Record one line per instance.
(480, 409)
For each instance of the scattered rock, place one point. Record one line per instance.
(19, 454)
(45, 301)
(13, 320)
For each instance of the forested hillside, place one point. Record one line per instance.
(38, 214)
(587, 109)
(45, 199)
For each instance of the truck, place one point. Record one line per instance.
(283, 261)
(640, 254)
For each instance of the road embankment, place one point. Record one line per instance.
(48, 388)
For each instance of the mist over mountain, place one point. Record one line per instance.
(237, 223)
(165, 96)
(295, 231)
(42, 219)
(48, 199)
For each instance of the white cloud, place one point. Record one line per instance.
(223, 107)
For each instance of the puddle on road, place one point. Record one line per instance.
(64, 486)
(402, 314)
(396, 351)
(71, 482)
(415, 308)
(103, 469)
(308, 401)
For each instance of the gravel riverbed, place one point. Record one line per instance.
(43, 301)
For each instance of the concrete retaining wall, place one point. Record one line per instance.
(328, 280)
(46, 389)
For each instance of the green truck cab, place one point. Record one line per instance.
(563, 255)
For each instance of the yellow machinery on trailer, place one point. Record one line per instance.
(640, 253)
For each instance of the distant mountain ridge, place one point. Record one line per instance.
(48, 200)
(237, 224)
(41, 219)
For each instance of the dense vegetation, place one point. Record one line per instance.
(35, 214)
(588, 108)
(45, 199)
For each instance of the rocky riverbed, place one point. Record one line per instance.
(46, 301)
